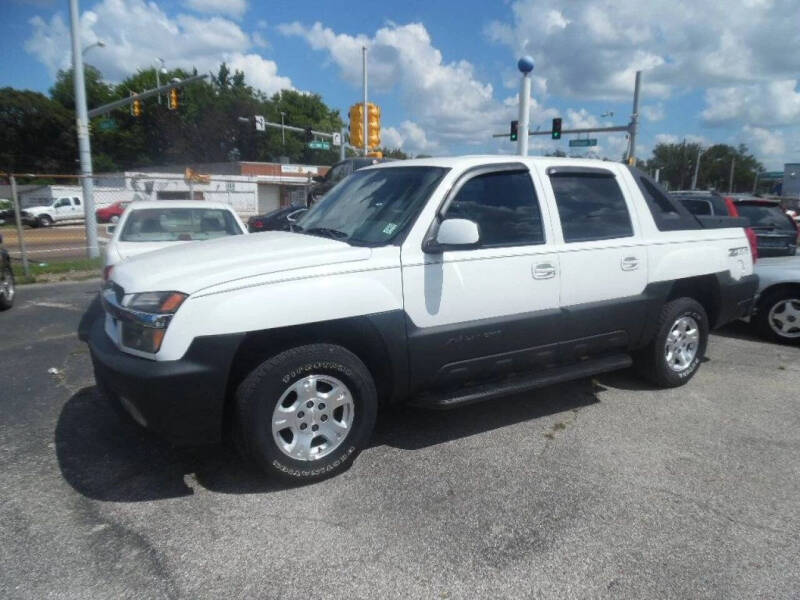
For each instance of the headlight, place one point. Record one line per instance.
(156, 302)
(151, 313)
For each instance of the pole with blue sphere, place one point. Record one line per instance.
(525, 66)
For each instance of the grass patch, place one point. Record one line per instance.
(61, 270)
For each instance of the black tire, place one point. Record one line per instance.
(258, 396)
(44, 221)
(7, 294)
(770, 330)
(652, 361)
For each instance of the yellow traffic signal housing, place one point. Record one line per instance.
(136, 107)
(357, 125)
(373, 125)
(172, 100)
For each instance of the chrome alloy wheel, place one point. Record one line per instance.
(784, 318)
(7, 285)
(312, 417)
(682, 343)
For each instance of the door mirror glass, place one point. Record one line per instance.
(452, 233)
(111, 229)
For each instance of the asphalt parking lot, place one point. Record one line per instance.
(598, 488)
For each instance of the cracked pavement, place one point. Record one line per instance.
(597, 488)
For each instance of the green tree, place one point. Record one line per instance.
(37, 135)
(98, 92)
(677, 163)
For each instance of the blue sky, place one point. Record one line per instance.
(444, 72)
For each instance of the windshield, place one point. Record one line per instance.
(178, 225)
(372, 206)
(766, 216)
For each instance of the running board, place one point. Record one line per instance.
(522, 383)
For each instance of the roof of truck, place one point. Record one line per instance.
(481, 159)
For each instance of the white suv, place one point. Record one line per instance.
(434, 281)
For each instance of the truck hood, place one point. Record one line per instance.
(192, 267)
(35, 210)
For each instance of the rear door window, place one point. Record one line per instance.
(590, 205)
(698, 206)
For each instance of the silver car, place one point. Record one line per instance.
(776, 313)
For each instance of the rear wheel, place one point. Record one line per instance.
(778, 316)
(7, 288)
(306, 413)
(114, 218)
(674, 354)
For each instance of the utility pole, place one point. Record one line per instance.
(283, 133)
(18, 219)
(82, 121)
(525, 66)
(730, 179)
(634, 125)
(364, 60)
(697, 167)
(342, 152)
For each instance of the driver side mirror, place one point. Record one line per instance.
(454, 234)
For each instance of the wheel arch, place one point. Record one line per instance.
(374, 339)
(705, 289)
(777, 288)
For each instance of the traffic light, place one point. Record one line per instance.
(136, 107)
(556, 129)
(357, 125)
(309, 134)
(514, 135)
(172, 99)
(373, 125)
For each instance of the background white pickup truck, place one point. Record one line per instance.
(65, 208)
(437, 281)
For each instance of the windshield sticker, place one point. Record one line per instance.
(389, 229)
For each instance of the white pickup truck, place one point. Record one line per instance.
(438, 281)
(57, 210)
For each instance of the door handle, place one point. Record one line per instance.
(544, 271)
(630, 263)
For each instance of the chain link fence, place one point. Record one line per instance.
(53, 218)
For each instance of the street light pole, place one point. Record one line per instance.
(697, 167)
(283, 134)
(634, 120)
(158, 78)
(364, 59)
(730, 179)
(82, 121)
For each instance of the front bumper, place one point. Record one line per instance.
(182, 400)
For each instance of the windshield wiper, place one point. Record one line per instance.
(326, 232)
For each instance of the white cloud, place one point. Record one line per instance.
(591, 48)
(409, 137)
(768, 144)
(653, 112)
(232, 8)
(774, 103)
(450, 104)
(136, 32)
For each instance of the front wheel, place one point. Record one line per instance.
(45, 221)
(674, 354)
(778, 316)
(306, 413)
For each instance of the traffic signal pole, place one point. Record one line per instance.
(366, 131)
(631, 128)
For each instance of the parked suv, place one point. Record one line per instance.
(336, 173)
(776, 231)
(439, 282)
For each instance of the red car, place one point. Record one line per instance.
(111, 213)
